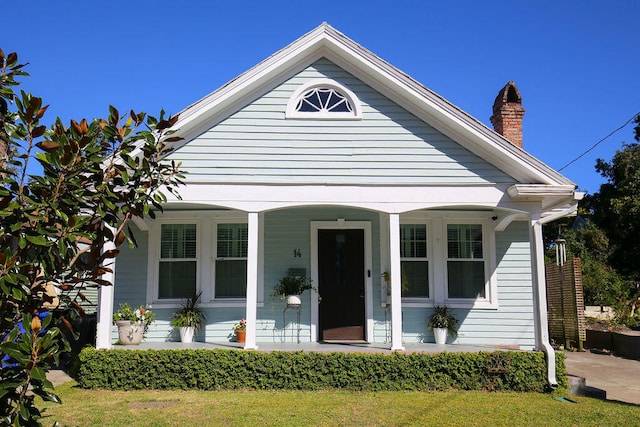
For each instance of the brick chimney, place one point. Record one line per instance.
(508, 113)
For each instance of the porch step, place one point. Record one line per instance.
(578, 387)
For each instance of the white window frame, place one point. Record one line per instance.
(206, 226)
(215, 258)
(155, 258)
(436, 222)
(421, 301)
(292, 113)
(488, 254)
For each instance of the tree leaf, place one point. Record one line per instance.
(48, 146)
(39, 239)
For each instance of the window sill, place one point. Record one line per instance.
(417, 302)
(210, 304)
(472, 304)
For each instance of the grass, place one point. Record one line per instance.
(329, 408)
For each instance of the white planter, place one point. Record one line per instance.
(440, 335)
(130, 333)
(294, 300)
(186, 333)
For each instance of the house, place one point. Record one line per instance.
(326, 161)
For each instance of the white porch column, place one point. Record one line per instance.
(252, 281)
(540, 301)
(105, 304)
(396, 279)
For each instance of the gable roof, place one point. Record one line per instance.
(325, 41)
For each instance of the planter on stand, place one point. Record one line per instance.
(130, 333)
(294, 301)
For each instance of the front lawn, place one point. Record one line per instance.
(320, 408)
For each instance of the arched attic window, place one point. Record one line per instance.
(323, 99)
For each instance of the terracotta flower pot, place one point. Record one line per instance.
(241, 336)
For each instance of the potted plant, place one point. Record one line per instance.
(189, 318)
(133, 324)
(443, 323)
(240, 330)
(289, 289)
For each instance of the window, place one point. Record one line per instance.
(178, 261)
(414, 260)
(323, 99)
(231, 261)
(465, 261)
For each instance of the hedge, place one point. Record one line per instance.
(233, 369)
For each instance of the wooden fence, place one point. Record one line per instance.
(565, 304)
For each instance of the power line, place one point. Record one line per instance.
(598, 143)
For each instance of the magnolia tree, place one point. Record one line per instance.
(55, 224)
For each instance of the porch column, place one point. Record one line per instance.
(540, 301)
(105, 303)
(252, 281)
(396, 278)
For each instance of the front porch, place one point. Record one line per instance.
(320, 347)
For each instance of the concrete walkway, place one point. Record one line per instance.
(57, 377)
(619, 377)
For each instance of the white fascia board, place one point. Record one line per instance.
(540, 191)
(325, 41)
(389, 199)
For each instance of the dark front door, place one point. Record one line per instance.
(341, 279)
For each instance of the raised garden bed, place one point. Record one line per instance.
(621, 343)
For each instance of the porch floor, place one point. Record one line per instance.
(345, 347)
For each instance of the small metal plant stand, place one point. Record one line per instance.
(296, 308)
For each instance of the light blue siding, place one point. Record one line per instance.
(388, 146)
(286, 231)
(131, 273)
(512, 324)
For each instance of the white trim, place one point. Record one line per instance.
(488, 250)
(396, 280)
(214, 256)
(253, 225)
(540, 299)
(526, 191)
(342, 224)
(292, 113)
(425, 220)
(387, 199)
(105, 301)
(154, 257)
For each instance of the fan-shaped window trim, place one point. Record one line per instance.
(337, 96)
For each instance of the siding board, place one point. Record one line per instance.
(388, 146)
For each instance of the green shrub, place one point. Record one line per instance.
(231, 369)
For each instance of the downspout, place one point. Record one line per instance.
(540, 293)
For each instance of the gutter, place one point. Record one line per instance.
(541, 292)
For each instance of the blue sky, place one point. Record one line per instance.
(575, 62)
